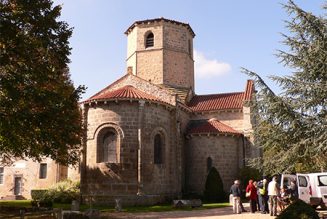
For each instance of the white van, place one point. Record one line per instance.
(312, 187)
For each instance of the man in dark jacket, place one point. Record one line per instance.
(236, 192)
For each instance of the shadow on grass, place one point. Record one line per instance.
(105, 208)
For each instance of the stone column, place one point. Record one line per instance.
(139, 151)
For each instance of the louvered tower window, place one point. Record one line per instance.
(149, 42)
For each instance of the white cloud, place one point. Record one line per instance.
(209, 68)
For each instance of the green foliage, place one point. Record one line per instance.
(214, 190)
(41, 198)
(247, 173)
(65, 191)
(39, 112)
(38, 194)
(299, 210)
(292, 127)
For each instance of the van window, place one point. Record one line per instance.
(303, 181)
(322, 180)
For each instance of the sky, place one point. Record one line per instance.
(230, 34)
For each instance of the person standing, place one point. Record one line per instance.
(252, 191)
(257, 207)
(263, 196)
(236, 192)
(272, 193)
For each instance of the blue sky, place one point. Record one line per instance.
(229, 34)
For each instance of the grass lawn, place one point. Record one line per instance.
(155, 208)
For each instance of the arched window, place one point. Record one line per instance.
(107, 148)
(209, 163)
(158, 149)
(149, 42)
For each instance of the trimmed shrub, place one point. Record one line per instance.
(41, 198)
(38, 194)
(299, 210)
(214, 189)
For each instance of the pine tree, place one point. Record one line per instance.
(39, 112)
(292, 126)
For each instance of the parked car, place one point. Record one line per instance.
(312, 187)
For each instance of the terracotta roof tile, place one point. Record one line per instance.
(126, 92)
(217, 102)
(212, 102)
(212, 126)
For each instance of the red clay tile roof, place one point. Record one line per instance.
(126, 92)
(212, 102)
(212, 126)
(157, 20)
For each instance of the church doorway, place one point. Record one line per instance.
(18, 185)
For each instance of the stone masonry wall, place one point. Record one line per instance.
(109, 180)
(29, 171)
(225, 151)
(183, 118)
(169, 61)
(150, 66)
(116, 178)
(233, 119)
(178, 69)
(178, 56)
(146, 62)
(160, 178)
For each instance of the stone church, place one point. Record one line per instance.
(149, 137)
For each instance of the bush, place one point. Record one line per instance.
(41, 198)
(214, 189)
(65, 191)
(299, 210)
(38, 194)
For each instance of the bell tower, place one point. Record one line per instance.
(161, 51)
